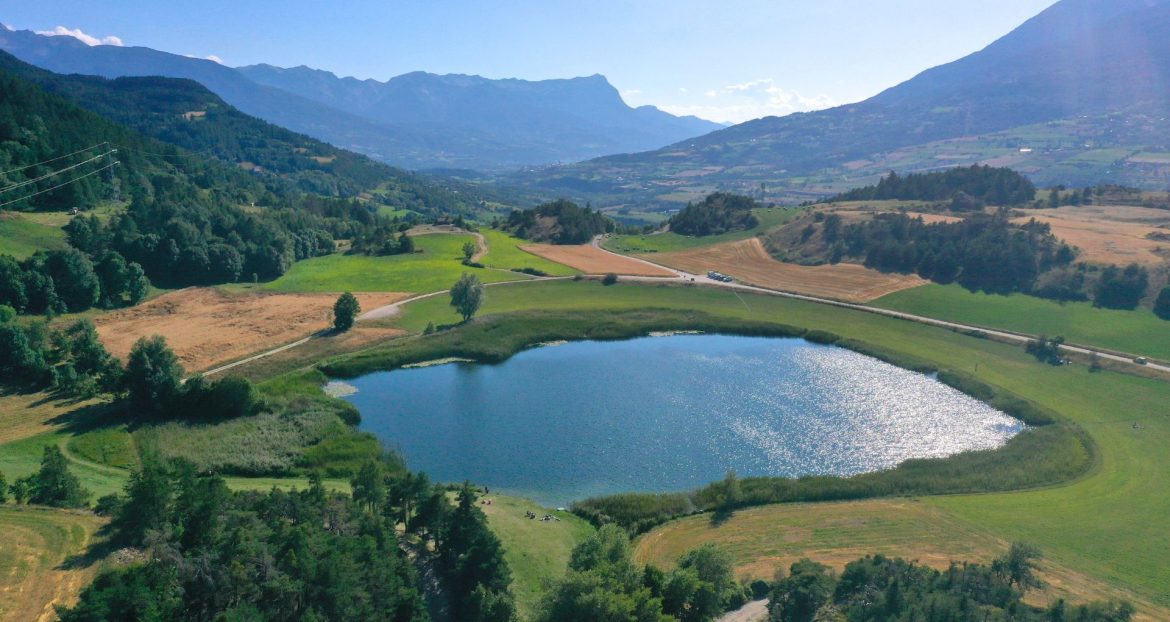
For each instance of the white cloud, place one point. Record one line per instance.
(751, 100)
(684, 90)
(8, 28)
(76, 33)
(212, 57)
(631, 93)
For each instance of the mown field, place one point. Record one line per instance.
(504, 253)
(37, 544)
(436, 267)
(667, 242)
(536, 551)
(1105, 525)
(21, 236)
(1136, 332)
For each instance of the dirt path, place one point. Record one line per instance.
(755, 611)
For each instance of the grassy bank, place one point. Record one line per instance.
(537, 551)
(1137, 332)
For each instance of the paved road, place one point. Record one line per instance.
(393, 310)
(1013, 337)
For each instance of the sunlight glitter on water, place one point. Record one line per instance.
(669, 413)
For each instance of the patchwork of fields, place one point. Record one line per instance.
(750, 263)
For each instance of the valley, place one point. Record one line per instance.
(281, 344)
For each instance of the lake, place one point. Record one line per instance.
(564, 422)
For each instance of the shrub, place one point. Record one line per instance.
(609, 279)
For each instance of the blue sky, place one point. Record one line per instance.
(726, 60)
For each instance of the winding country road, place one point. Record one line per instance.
(392, 310)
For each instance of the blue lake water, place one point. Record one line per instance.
(561, 423)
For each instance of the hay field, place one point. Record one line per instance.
(1110, 234)
(592, 260)
(765, 539)
(205, 326)
(749, 263)
(37, 544)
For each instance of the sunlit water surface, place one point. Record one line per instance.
(566, 422)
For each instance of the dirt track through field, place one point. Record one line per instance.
(205, 326)
(748, 262)
(591, 260)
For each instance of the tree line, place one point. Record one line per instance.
(895, 590)
(985, 252)
(966, 188)
(720, 212)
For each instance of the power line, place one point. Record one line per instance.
(17, 170)
(54, 173)
(62, 185)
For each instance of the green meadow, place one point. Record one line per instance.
(434, 267)
(21, 236)
(1135, 332)
(504, 253)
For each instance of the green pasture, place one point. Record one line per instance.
(436, 267)
(504, 253)
(1135, 332)
(21, 236)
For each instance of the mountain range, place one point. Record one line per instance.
(418, 120)
(1078, 95)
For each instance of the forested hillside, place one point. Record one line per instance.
(965, 187)
(186, 222)
(185, 114)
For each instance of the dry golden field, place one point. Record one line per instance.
(206, 326)
(750, 263)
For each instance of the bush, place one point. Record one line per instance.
(532, 271)
(609, 279)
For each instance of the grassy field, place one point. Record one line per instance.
(37, 543)
(1108, 521)
(21, 236)
(770, 218)
(763, 539)
(436, 267)
(1136, 332)
(504, 253)
(536, 551)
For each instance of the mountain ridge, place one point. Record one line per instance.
(1094, 67)
(518, 123)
